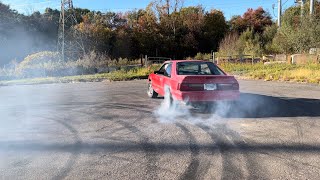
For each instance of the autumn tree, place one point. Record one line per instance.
(95, 33)
(256, 20)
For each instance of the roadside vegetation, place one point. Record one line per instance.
(114, 43)
(309, 73)
(119, 75)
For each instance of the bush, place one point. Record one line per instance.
(44, 64)
(35, 65)
(201, 56)
(40, 58)
(229, 45)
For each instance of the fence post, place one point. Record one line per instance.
(141, 60)
(213, 57)
(146, 60)
(252, 59)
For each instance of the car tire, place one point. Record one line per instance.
(151, 93)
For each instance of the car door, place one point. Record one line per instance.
(158, 79)
(165, 79)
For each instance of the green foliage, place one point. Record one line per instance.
(267, 39)
(250, 43)
(230, 45)
(202, 56)
(256, 32)
(215, 27)
(298, 34)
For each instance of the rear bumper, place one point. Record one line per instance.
(206, 96)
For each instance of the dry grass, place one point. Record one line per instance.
(121, 75)
(309, 73)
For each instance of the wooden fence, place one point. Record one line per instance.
(237, 59)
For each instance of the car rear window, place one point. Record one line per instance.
(198, 68)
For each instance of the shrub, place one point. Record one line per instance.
(229, 45)
(202, 56)
(40, 58)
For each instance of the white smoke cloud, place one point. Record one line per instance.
(247, 106)
(175, 111)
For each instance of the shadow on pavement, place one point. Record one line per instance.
(262, 106)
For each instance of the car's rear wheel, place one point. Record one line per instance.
(151, 92)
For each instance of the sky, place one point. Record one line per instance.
(229, 7)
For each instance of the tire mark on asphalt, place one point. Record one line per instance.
(75, 154)
(253, 167)
(230, 168)
(148, 148)
(192, 169)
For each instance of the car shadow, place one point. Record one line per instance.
(262, 106)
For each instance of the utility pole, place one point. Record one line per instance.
(311, 7)
(279, 12)
(302, 7)
(68, 47)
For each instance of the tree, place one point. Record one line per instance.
(257, 20)
(298, 34)
(95, 33)
(230, 45)
(214, 29)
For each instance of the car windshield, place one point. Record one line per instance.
(198, 68)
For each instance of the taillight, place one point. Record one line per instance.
(233, 86)
(191, 87)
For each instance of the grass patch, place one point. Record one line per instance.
(121, 75)
(309, 73)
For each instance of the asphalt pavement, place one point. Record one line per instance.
(112, 130)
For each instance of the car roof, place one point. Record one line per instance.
(186, 61)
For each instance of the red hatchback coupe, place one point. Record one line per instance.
(193, 81)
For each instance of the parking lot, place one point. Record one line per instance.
(112, 130)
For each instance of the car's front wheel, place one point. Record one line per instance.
(151, 92)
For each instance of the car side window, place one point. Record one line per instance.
(205, 70)
(168, 70)
(163, 69)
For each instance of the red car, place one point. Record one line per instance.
(193, 81)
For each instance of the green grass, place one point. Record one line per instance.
(309, 73)
(121, 75)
